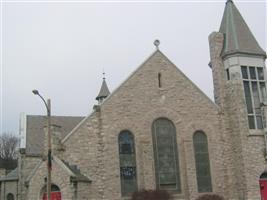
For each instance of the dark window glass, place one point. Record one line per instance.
(251, 122)
(159, 79)
(259, 122)
(127, 163)
(252, 72)
(228, 74)
(244, 72)
(256, 97)
(255, 94)
(263, 91)
(202, 162)
(54, 188)
(260, 73)
(166, 156)
(248, 97)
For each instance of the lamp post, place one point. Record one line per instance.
(49, 158)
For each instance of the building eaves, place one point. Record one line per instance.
(77, 175)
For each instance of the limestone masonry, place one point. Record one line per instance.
(159, 131)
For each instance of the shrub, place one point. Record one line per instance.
(151, 195)
(210, 197)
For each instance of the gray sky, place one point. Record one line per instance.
(61, 48)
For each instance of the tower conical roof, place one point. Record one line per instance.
(238, 37)
(104, 91)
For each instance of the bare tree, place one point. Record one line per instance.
(8, 146)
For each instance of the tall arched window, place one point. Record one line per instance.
(127, 163)
(166, 155)
(202, 162)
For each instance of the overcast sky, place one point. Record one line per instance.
(61, 48)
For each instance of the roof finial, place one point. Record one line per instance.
(157, 43)
(104, 74)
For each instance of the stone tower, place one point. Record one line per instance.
(239, 76)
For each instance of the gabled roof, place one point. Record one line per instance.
(35, 130)
(152, 56)
(72, 170)
(77, 175)
(104, 91)
(238, 37)
(157, 51)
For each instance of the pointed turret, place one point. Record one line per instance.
(238, 37)
(104, 91)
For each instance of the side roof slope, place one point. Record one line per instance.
(35, 130)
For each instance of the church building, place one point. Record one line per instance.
(158, 130)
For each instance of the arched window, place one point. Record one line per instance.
(202, 162)
(127, 163)
(10, 196)
(55, 192)
(166, 155)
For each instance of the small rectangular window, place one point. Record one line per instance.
(251, 122)
(252, 72)
(227, 74)
(260, 73)
(244, 72)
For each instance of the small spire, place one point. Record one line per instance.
(229, 1)
(157, 43)
(104, 91)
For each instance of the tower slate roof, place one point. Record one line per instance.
(238, 37)
(104, 91)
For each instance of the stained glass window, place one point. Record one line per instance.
(166, 155)
(127, 163)
(202, 162)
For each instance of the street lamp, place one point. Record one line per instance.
(49, 158)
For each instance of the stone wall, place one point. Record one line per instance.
(59, 177)
(83, 148)
(9, 187)
(93, 146)
(243, 148)
(26, 165)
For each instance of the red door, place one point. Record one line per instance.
(54, 196)
(263, 188)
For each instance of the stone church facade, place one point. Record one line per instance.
(159, 131)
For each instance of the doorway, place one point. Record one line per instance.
(263, 185)
(55, 193)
